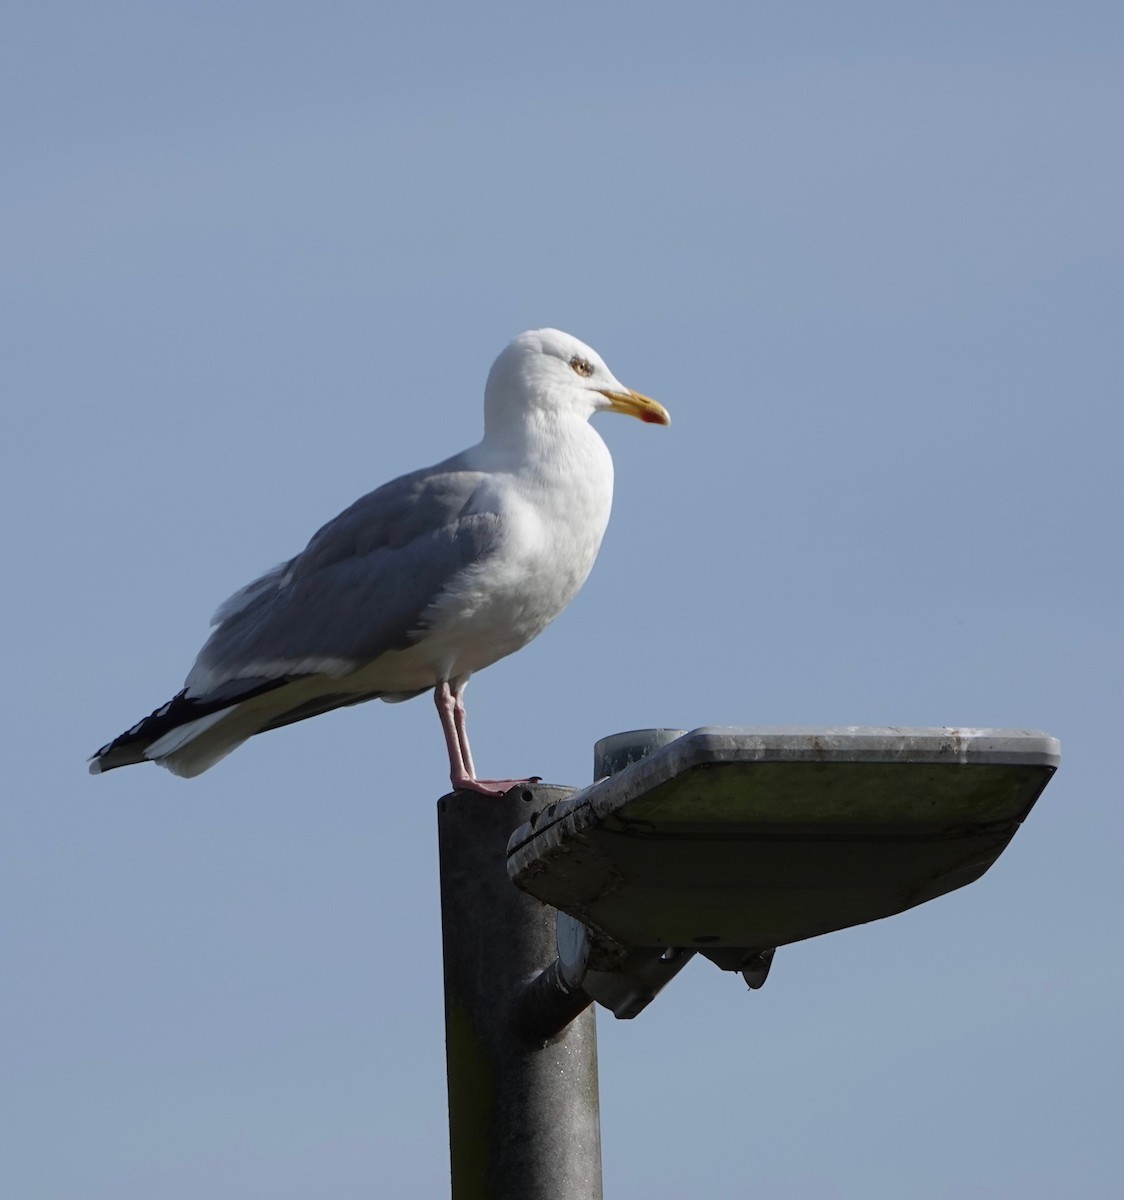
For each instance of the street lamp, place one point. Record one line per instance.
(725, 842)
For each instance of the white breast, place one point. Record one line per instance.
(554, 511)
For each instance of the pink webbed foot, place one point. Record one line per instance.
(491, 787)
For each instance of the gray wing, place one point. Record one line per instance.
(360, 588)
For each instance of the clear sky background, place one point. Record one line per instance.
(258, 258)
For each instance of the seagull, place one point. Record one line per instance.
(419, 584)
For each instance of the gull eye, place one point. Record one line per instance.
(582, 365)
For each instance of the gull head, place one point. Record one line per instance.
(548, 373)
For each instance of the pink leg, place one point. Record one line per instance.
(462, 774)
(461, 725)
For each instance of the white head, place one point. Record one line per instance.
(546, 373)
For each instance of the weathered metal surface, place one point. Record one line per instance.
(523, 1116)
(752, 838)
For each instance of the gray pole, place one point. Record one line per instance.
(524, 1120)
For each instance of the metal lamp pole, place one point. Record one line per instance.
(726, 842)
(524, 1118)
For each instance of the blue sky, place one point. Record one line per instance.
(259, 258)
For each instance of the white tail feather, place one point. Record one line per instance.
(187, 752)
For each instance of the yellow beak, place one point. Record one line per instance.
(633, 404)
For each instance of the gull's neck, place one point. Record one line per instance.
(541, 442)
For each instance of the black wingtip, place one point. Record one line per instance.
(130, 747)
